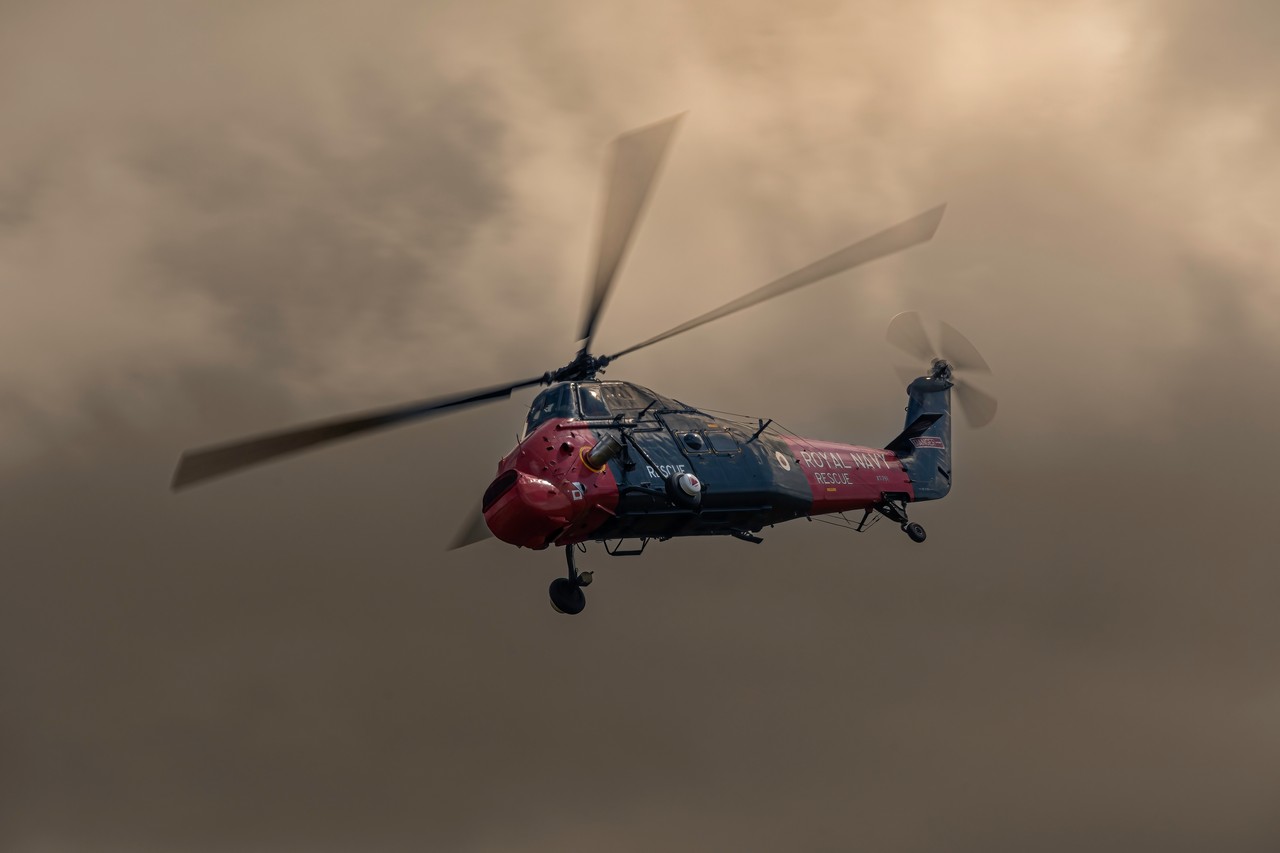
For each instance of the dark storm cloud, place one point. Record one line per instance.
(342, 243)
(219, 219)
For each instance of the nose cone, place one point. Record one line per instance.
(529, 513)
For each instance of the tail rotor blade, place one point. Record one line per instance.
(978, 406)
(957, 350)
(635, 159)
(906, 332)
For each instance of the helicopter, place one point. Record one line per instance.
(610, 461)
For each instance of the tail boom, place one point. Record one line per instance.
(844, 477)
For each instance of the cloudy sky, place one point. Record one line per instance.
(223, 218)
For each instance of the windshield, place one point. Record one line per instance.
(591, 402)
(625, 399)
(555, 402)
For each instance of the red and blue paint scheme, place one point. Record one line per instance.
(611, 461)
(548, 493)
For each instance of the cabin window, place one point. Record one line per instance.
(722, 442)
(555, 402)
(591, 402)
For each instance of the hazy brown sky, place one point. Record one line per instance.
(220, 218)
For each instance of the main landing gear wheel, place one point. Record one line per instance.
(914, 531)
(567, 597)
(566, 593)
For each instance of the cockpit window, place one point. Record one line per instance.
(555, 402)
(625, 399)
(591, 402)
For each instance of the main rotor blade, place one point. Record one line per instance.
(635, 158)
(473, 529)
(198, 465)
(979, 407)
(956, 349)
(901, 236)
(906, 332)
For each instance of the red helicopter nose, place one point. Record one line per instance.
(526, 511)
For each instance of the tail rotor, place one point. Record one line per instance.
(952, 355)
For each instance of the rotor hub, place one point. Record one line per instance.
(584, 366)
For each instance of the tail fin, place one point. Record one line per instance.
(924, 447)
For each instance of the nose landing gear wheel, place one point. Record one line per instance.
(567, 597)
(914, 531)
